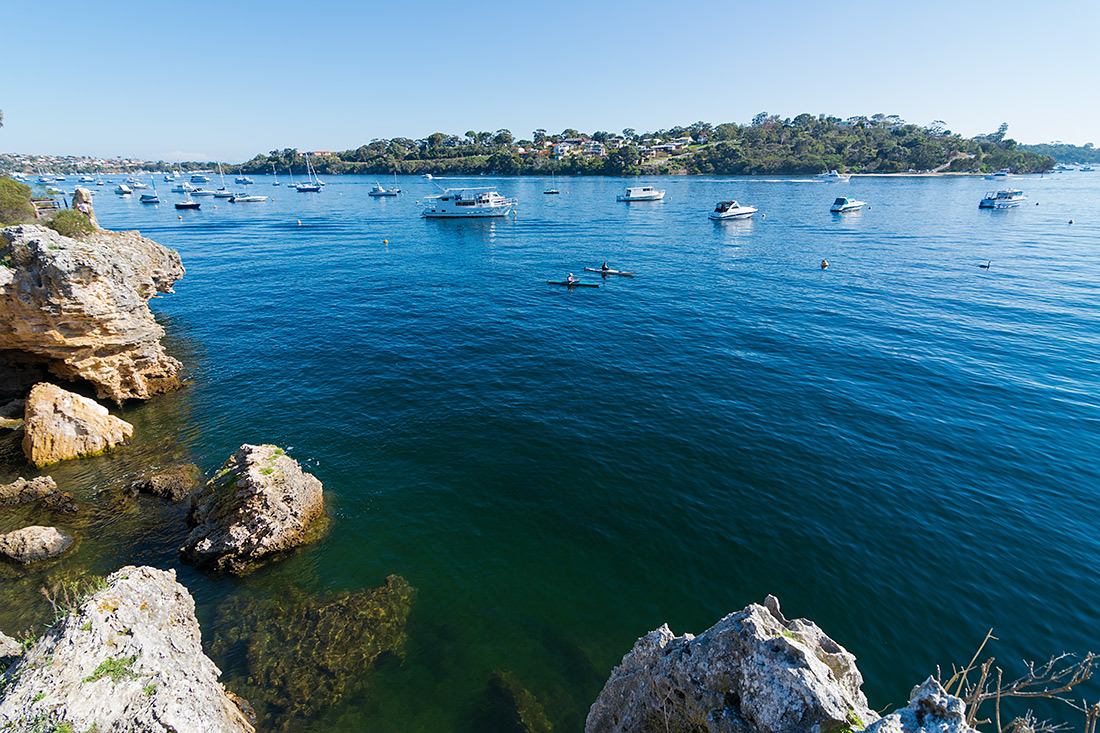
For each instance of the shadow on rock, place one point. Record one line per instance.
(297, 656)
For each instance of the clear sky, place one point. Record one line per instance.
(206, 81)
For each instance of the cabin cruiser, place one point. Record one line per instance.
(463, 203)
(199, 178)
(641, 193)
(731, 210)
(123, 190)
(1006, 198)
(1002, 173)
(183, 187)
(244, 198)
(846, 203)
(150, 198)
(243, 180)
(834, 177)
(200, 191)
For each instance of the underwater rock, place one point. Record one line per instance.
(82, 307)
(173, 484)
(930, 708)
(32, 544)
(128, 658)
(22, 491)
(303, 654)
(508, 707)
(60, 425)
(259, 503)
(752, 672)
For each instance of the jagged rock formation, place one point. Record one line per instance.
(22, 491)
(752, 672)
(259, 503)
(32, 544)
(128, 658)
(173, 484)
(930, 708)
(59, 425)
(82, 307)
(304, 654)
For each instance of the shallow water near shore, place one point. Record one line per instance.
(901, 447)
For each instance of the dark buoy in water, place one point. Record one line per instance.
(986, 265)
(1071, 221)
(824, 264)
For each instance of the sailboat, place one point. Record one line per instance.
(380, 190)
(276, 176)
(223, 192)
(151, 198)
(553, 188)
(312, 186)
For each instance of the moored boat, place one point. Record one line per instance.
(641, 193)
(731, 210)
(123, 190)
(846, 203)
(202, 192)
(243, 198)
(1006, 198)
(183, 187)
(199, 178)
(467, 203)
(188, 204)
(379, 190)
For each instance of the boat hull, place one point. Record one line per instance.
(474, 213)
(648, 197)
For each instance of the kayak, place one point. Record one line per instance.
(609, 272)
(572, 285)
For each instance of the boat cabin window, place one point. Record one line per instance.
(840, 202)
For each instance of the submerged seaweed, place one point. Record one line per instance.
(295, 657)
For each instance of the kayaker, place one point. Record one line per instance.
(571, 278)
(605, 267)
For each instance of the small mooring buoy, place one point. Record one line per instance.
(180, 216)
(385, 241)
(299, 222)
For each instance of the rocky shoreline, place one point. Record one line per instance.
(126, 652)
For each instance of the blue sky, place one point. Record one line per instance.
(208, 81)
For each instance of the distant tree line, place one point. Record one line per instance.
(805, 144)
(1064, 153)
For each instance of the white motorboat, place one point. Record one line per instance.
(123, 190)
(834, 177)
(641, 193)
(202, 192)
(183, 187)
(846, 203)
(243, 180)
(199, 178)
(244, 198)
(380, 190)
(466, 203)
(87, 179)
(731, 210)
(1007, 198)
(1002, 173)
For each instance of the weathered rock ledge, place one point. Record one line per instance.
(259, 503)
(128, 658)
(82, 307)
(752, 672)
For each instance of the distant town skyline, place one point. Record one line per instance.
(225, 82)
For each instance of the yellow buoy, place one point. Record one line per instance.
(299, 222)
(385, 241)
(180, 216)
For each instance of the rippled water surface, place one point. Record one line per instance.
(902, 447)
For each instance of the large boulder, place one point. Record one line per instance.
(59, 425)
(128, 658)
(930, 708)
(82, 306)
(259, 503)
(22, 491)
(752, 672)
(10, 651)
(33, 544)
(173, 484)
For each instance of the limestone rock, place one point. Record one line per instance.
(128, 658)
(82, 202)
(173, 483)
(59, 425)
(930, 708)
(259, 502)
(10, 651)
(32, 544)
(752, 672)
(82, 306)
(22, 491)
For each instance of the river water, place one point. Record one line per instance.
(901, 447)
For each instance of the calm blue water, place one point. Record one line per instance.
(901, 447)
